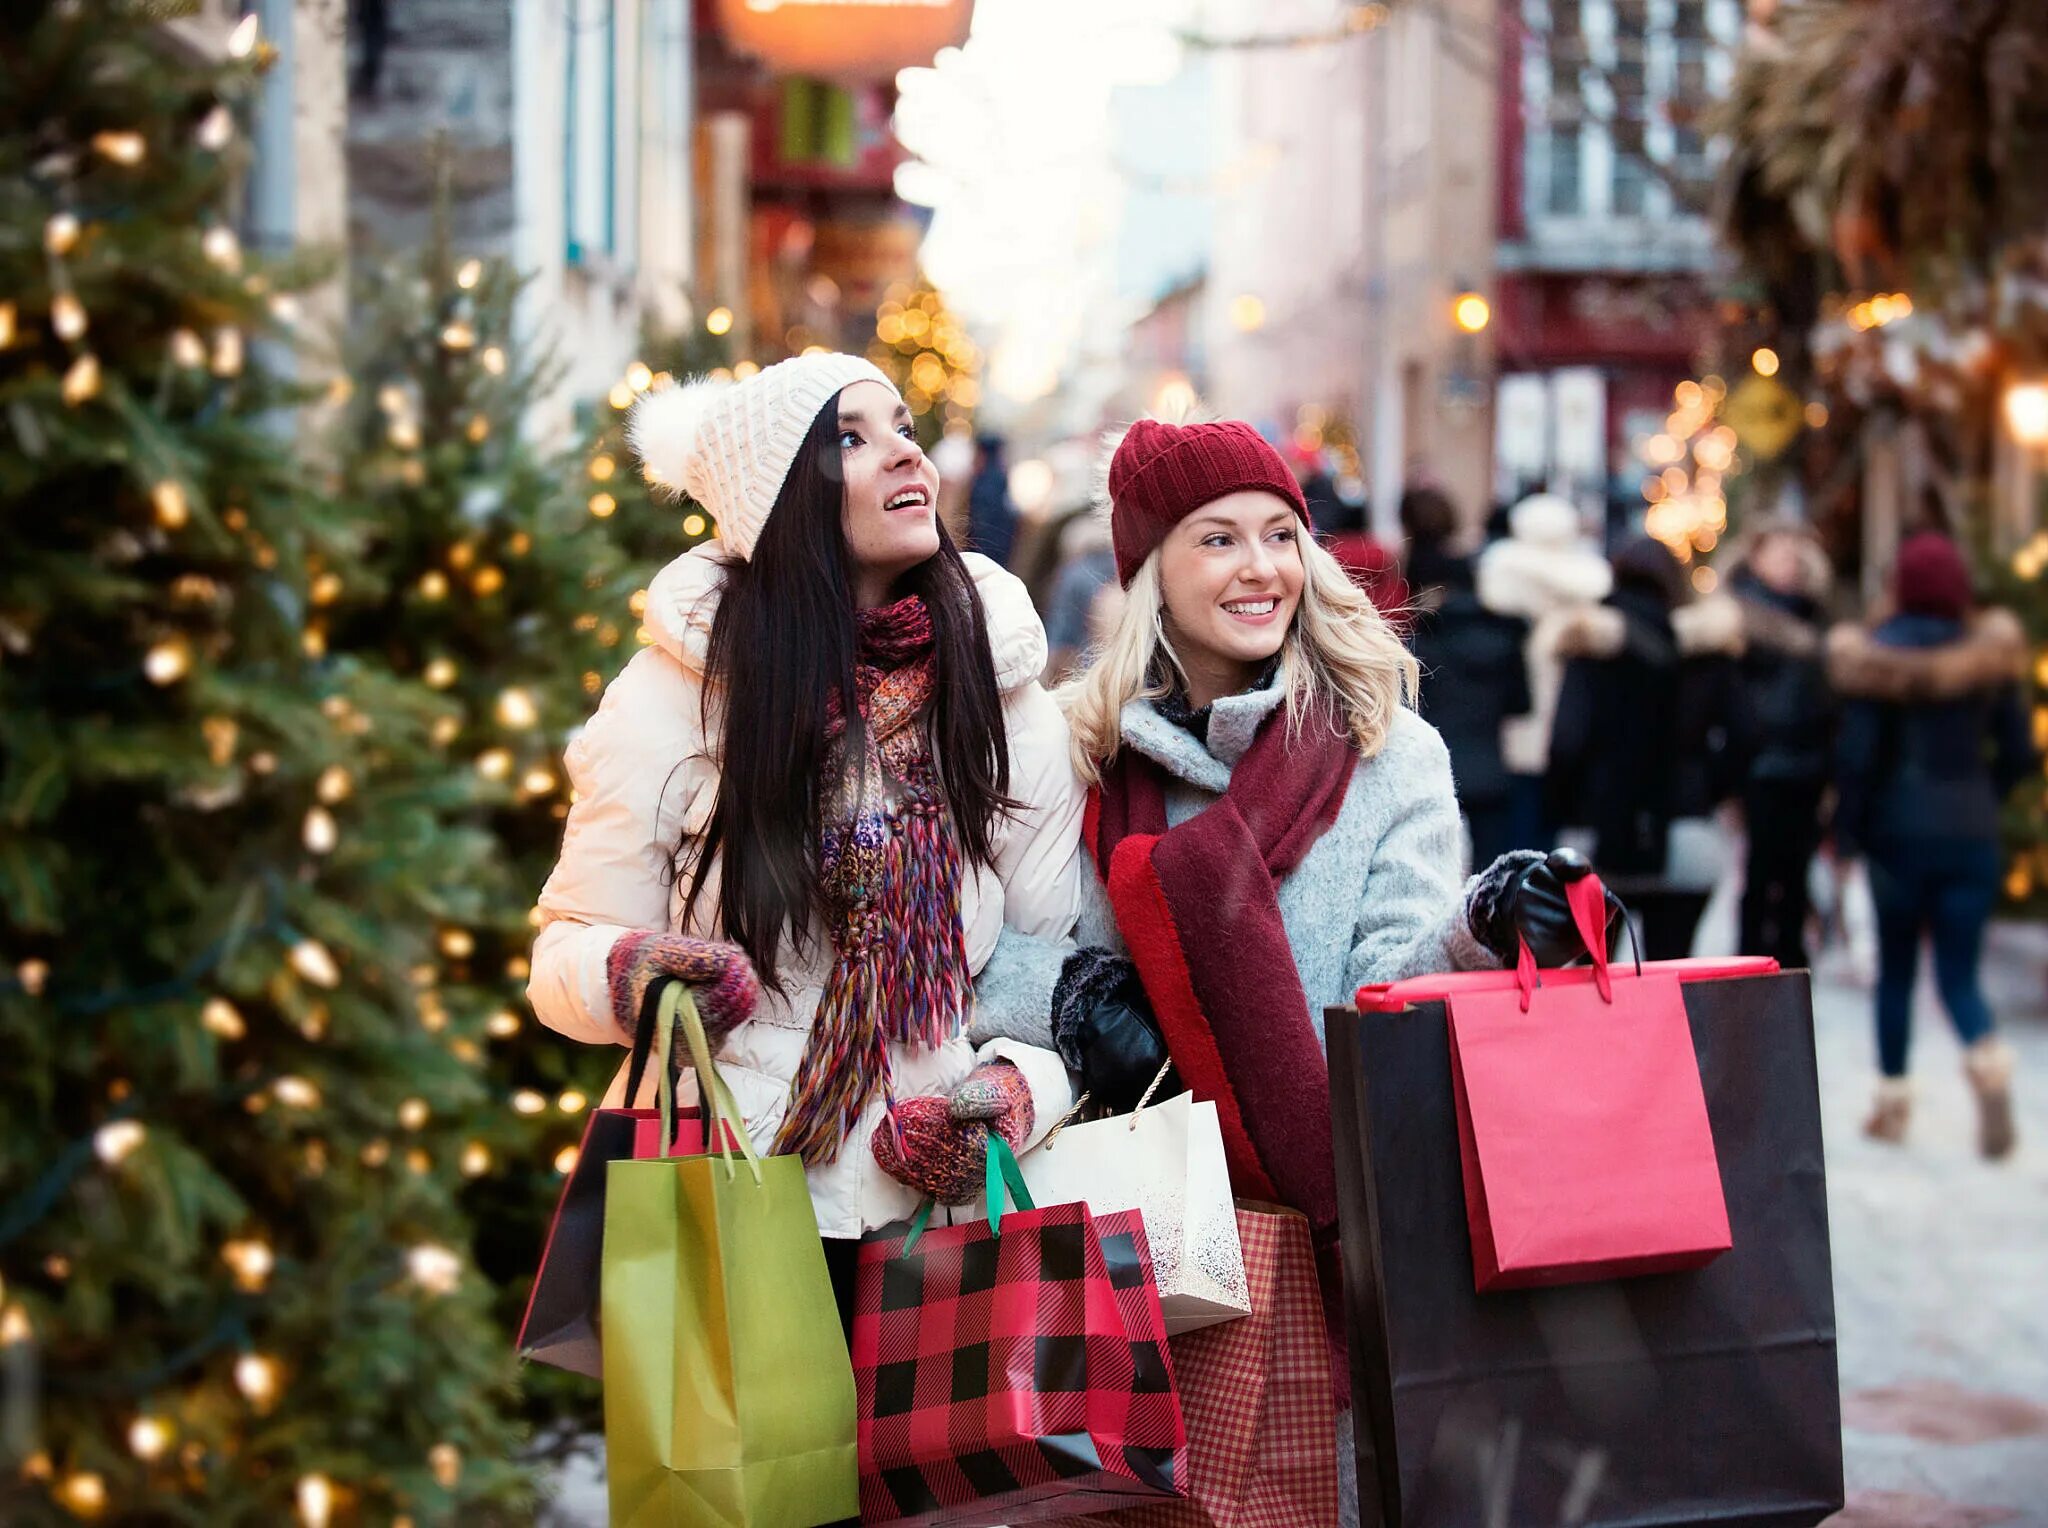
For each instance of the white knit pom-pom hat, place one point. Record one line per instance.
(729, 445)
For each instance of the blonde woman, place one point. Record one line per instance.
(1270, 822)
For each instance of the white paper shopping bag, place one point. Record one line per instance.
(1166, 1162)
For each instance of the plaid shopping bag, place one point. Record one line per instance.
(1012, 1370)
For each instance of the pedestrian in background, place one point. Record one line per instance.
(991, 517)
(1473, 676)
(1540, 572)
(1640, 741)
(1085, 597)
(1368, 563)
(1933, 738)
(1784, 731)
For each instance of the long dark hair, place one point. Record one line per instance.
(782, 641)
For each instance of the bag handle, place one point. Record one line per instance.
(1001, 1172)
(721, 1111)
(1589, 902)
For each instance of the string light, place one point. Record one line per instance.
(471, 273)
(538, 782)
(693, 525)
(33, 974)
(172, 509)
(502, 1025)
(15, 1327)
(457, 943)
(216, 130)
(187, 349)
(494, 361)
(412, 1114)
(494, 763)
(434, 584)
(311, 959)
(114, 1143)
(376, 1153)
(445, 730)
(7, 316)
(148, 1438)
(82, 381)
(257, 1378)
(296, 1092)
(639, 377)
(488, 581)
(83, 1494)
(435, 1269)
(251, 1262)
(320, 834)
(565, 1160)
(60, 233)
(572, 1102)
(719, 321)
(516, 708)
(220, 245)
(219, 1016)
(602, 467)
(168, 661)
(602, 505)
(1764, 361)
(315, 1496)
(526, 1101)
(476, 1159)
(67, 316)
(445, 1460)
(439, 673)
(458, 336)
(334, 785)
(620, 397)
(479, 429)
(227, 352)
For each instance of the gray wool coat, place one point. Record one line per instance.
(1380, 896)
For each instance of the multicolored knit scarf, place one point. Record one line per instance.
(889, 870)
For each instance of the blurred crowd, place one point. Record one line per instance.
(1750, 773)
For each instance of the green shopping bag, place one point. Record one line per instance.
(728, 1394)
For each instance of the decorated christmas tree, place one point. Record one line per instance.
(493, 576)
(235, 1285)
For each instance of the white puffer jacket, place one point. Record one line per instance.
(646, 780)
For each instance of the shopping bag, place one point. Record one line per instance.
(1582, 1128)
(728, 1398)
(560, 1326)
(1256, 1394)
(1012, 1369)
(1704, 1395)
(1166, 1161)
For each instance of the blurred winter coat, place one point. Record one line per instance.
(991, 517)
(1785, 725)
(1642, 733)
(1473, 676)
(1934, 735)
(1541, 572)
(646, 780)
(1368, 563)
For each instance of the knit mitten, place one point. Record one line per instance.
(939, 1146)
(924, 1148)
(996, 1094)
(720, 974)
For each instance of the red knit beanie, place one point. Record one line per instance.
(1931, 577)
(1162, 473)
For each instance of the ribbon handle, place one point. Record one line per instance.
(1589, 901)
(1002, 1173)
(722, 1118)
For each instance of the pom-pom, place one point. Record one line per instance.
(663, 431)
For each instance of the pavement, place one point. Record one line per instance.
(1941, 1270)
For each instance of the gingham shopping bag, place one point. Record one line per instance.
(1012, 1370)
(1256, 1395)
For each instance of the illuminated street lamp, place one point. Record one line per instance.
(1471, 312)
(2026, 414)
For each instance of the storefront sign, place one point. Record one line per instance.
(844, 39)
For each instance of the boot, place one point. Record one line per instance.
(1890, 1113)
(1989, 1064)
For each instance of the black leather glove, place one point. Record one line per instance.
(1521, 896)
(1104, 1030)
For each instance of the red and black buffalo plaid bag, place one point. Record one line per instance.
(1012, 1370)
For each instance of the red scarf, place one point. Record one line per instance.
(1198, 910)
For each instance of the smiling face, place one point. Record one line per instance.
(892, 491)
(1231, 576)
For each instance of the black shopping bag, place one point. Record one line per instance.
(1709, 1395)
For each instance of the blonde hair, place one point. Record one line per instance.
(1340, 661)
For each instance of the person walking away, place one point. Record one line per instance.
(1933, 738)
(1785, 727)
(1639, 738)
(1540, 572)
(991, 517)
(1473, 676)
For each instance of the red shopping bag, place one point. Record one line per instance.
(1262, 1426)
(1012, 1370)
(1582, 1124)
(560, 1324)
